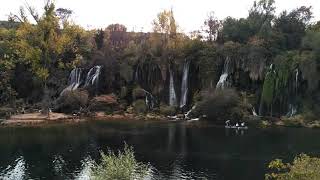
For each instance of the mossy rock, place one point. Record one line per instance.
(167, 110)
(138, 93)
(139, 106)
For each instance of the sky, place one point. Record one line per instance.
(137, 15)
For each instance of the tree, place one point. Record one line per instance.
(211, 27)
(45, 46)
(64, 14)
(99, 38)
(292, 26)
(7, 64)
(165, 29)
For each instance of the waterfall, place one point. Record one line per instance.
(184, 85)
(93, 76)
(254, 113)
(150, 100)
(296, 79)
(74, 80)
(292, 110)
(172, 92)
(223, 83)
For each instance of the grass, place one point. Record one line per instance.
(121, 165)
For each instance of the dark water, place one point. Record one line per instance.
(174, 150)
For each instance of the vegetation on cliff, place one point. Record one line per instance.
(273, 58)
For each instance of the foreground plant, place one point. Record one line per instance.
(122, 165)
(303, 167)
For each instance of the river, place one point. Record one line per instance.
(174, 150)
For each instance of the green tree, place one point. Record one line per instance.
(46, 45)
(292, 26)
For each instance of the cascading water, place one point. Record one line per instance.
(296, 80)
(150, 100)
(254, 113)
(74, 80)
(184, 85)
(93, 76)
(223, 83)
(292, 110)
(172, 92)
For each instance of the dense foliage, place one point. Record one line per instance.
(122, 165)
(36, 56)
(303, 167)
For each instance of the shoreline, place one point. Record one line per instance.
(38, 119)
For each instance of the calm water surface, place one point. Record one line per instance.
(174, 150)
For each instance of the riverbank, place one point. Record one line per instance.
(31, 119)
(298, 121)
(38, 119)
(34, 119)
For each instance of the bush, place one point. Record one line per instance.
(71, 101)
(138, 93)
(6, 112)
(220, 105)
(139, 106)
(122, 166)
(167, 110)
(303, 167)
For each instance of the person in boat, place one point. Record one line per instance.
(237, 124)
(243, 124)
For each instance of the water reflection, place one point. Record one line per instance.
(85, 171)
(58, 164)
(16, 171)
(175, 150)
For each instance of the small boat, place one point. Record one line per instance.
(237, 126)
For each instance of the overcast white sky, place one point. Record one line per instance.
(136, 14)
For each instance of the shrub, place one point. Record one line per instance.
(167, 110)
(71, 101)
(122, 166)
(220, 105)
(139, 106)
(303, 167)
